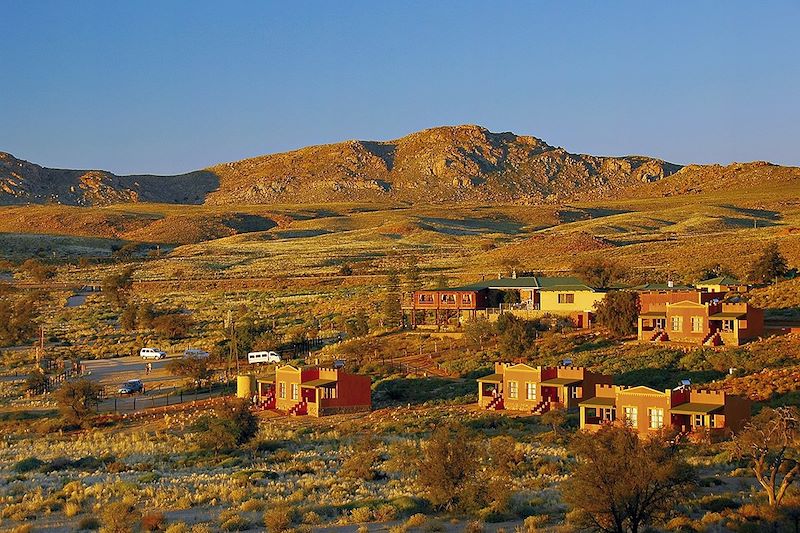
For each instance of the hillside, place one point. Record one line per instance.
(462, 164)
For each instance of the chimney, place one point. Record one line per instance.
(514, 274)
(670, 284)
(499, 275)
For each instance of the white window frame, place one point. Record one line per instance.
(650, 418)
(530, 390)
(295, 391)
(631, 415)
(513, 390)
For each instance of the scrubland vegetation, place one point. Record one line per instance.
(426, 458)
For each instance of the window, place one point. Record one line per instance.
(282, 389)
(631, 416)
(513, 389)
(697, 324)
(568, 298)
(425, 298)
(466, 298)
(676, 323)
(727, 325)
(699, 420)
(656, 416)
(573, 392)
(448, 298)
(531, 391)
(609, 414)
(295, 391)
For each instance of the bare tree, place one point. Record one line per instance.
(771, 442)
(621, 483)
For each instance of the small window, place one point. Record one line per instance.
(573, 392)
(282, 389)
(699, 420)
(676, 323)
(656, 416)
(466, 298)
(513, 389)
(631, 416)
(295, 391)
(531, 391)
(609, 414)
(567, 298)
(697, 324)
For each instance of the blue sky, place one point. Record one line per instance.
(169, 86)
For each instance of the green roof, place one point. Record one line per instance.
(690, 408)
(721, 280)
(598, 402)
(662, 287)
(525, 282)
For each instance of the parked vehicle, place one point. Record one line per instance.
(196, 353)
(131, 386)
(263, 357)
(152, 353)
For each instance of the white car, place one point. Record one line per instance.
(196, 353)
(263, 357)
(152, 353)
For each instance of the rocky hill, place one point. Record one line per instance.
(461, 164)
(22, 182)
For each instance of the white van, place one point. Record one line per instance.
(197, 353)
(263, 357)
(152, 353)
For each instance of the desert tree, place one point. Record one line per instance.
(714, 270)
(194, 368)
(618, 311)
(116, 287)
(173, 325)
(478, 332)
(231, 424)
(392, 304)
(516, 336)
(771, 443)
(770, 265)
(362, 462)
(598, 272)
(78, 400)
(38, 271)
(621, 483)
(345, 270)
(449, 470)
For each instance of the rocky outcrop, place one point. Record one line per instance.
(455, 164)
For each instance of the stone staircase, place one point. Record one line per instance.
(659, 336)
(713, 339)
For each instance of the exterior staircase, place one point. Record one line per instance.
(659, 336)
(269, 401)
(300, 408)
(541, 407)
(496, 403)
(713, 339)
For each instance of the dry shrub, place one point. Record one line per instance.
(154, 521)
(535, 522)
(88, 523)
(252, 505)
(119, 517)
(178, 527)
(385, 513)
(311, 518)
(279, 518)
(475, 527)
(416, 520)
(360, 515)
(71, 509)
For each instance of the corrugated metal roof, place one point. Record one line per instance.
(598, 402)
(728, 315)
(561, 381)
(318, 383)
(695, 408)
(721, 280)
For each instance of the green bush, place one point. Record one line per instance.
(27, 465)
